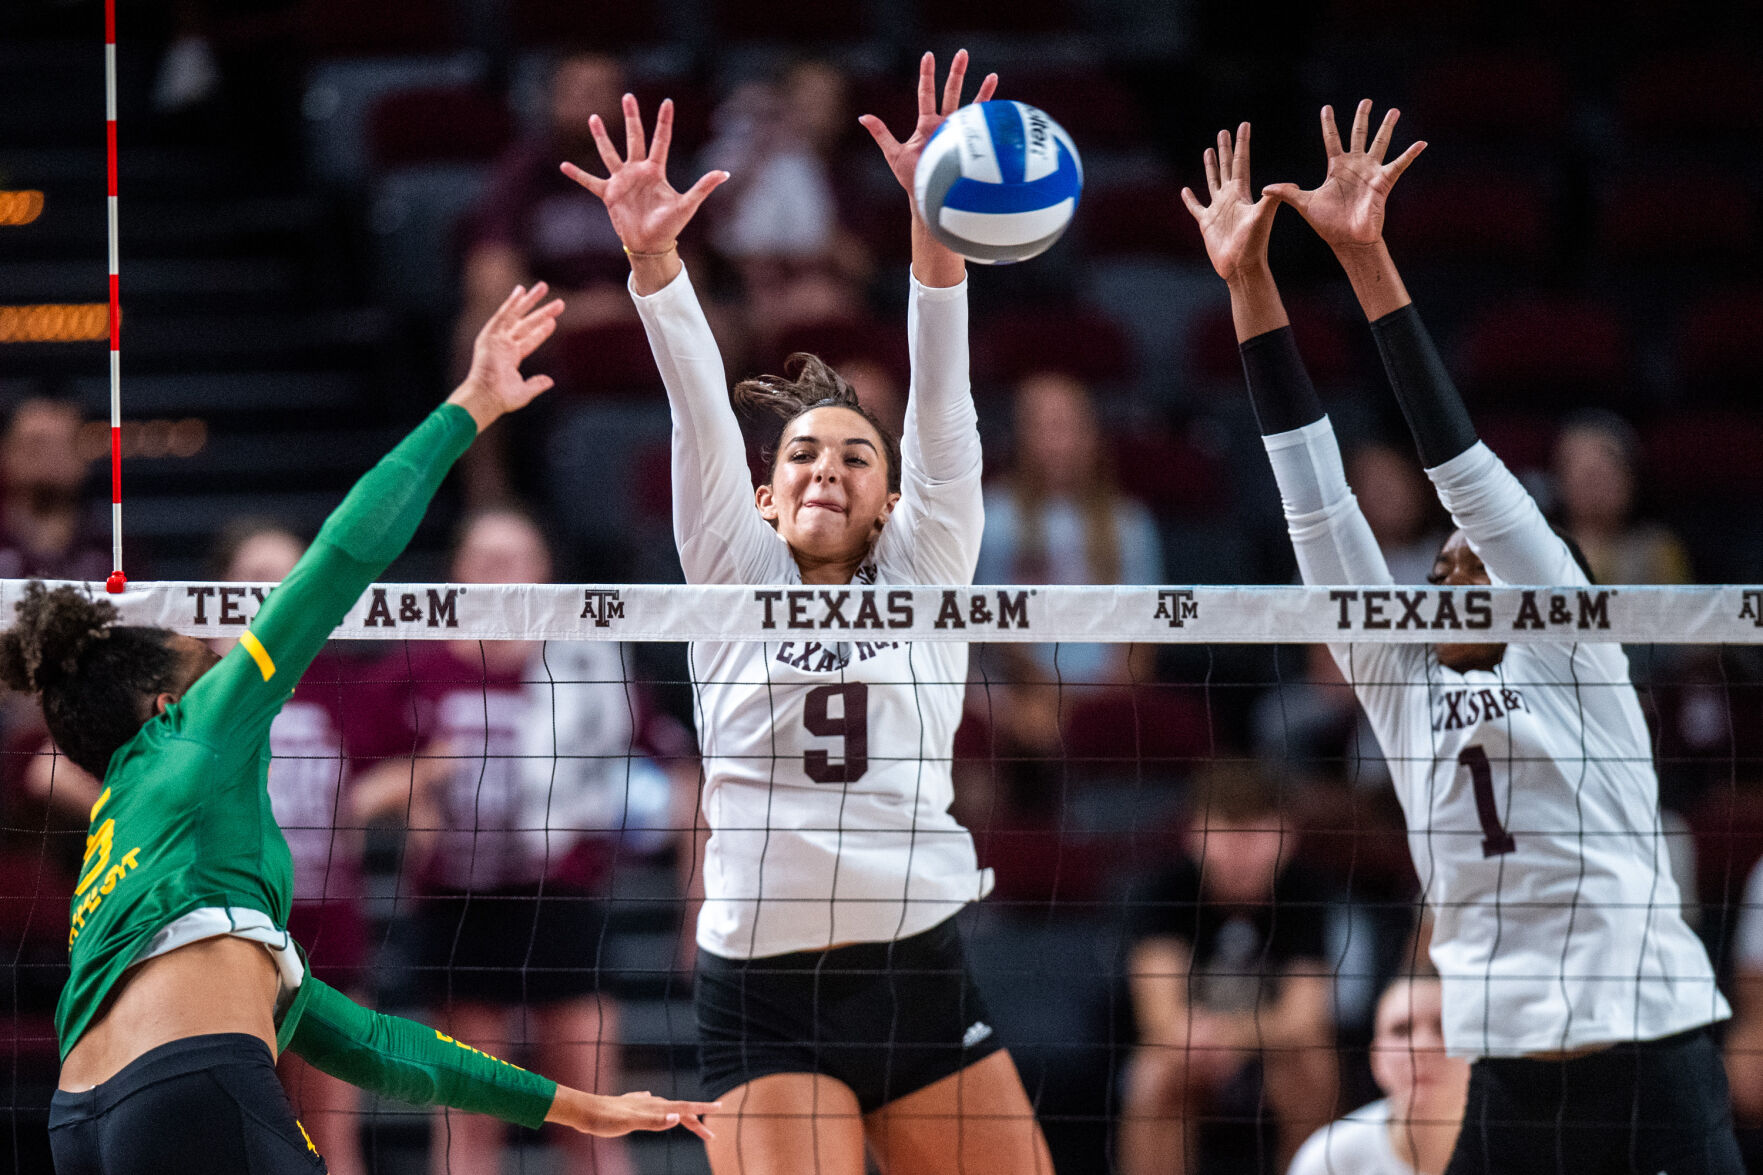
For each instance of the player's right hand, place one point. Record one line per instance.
(494, 385)
(609, 1117)
(646, 211)
(1234, 222)
(1347, 208)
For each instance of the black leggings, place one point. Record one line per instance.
(204, 1105)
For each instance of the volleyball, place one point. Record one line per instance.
(998, 182)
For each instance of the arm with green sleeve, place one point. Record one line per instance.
(235, 701)
(412, 1062)
(359, 540)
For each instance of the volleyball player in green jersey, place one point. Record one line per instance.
(184, 983)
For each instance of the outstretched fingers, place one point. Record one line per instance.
(952, 87)
(1381, 144)
(633, 130)
(1195, 209)
(592, 183)
(1210, 159)
(1224, 158)
(927, 85)
(707, 183)
(663, 138)
(1400, 164)
(1331, 133)
(603, 143)
(1361, 124)
(987, 88)
(1239, 161)
(878, 130)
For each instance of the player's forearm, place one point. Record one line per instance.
(1436, 414)
(933, 263)
(1255, 304)
(941, 437)
(412, 1062)
(1374, 278)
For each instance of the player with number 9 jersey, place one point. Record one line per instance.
(835, 1008)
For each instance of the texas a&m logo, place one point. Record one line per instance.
(439, 610)
(602, 606)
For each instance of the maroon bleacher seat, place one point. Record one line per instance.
(1321, 338)
(1457, 94)
(794, 21)
(1141, 217)
(1707, 455)
(348, 28)
(609, 360)
(1077, 341)
(1693, 94)
(1116, 728)
(1542, 352)
(1671, 218)
(438, 124)
(1720, 346)
(1173, 477)
(1477, 216)
(604, 24)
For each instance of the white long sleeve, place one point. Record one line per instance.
(1330, 536)
(720, 535)
(934, 534)
(1502, 522)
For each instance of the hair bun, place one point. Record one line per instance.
(54, 629)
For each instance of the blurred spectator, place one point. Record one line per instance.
(1056, 516)
(308, 775)
(523, 766)
(1397, 501)
(41, 474)
(1744, 1036)
(878, 390)
(1229, 984)
(532, 225)
(777, 221)
(1412, 1129)
(1595, 478)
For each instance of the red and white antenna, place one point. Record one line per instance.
(117, 581)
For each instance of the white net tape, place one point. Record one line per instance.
(1731, 614)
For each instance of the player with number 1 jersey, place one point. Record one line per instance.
(834, 1005)
(1524, 771)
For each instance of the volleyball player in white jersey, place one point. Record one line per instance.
(1524, 771)
(834, 1004)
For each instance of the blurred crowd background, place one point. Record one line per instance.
(320, 200)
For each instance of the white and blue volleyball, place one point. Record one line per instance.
(998, 182)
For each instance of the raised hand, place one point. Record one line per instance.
(1234, 222)
(1347, 209)
(494, 385)
(903, 157)
(646, 211)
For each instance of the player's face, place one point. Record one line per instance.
(265, 557)
(828, 495)
(1458, 565)
(1408, 1046)
(1239, 859)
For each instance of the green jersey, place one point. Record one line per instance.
(183, 834)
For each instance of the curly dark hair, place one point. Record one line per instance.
(810, 383)
(97, 678)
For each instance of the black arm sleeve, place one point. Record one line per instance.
(1435, 412)
(1280, 390)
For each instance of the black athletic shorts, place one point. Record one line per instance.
(1656, 1107)
(510, 946)
(885, 1018)
(204, 1105)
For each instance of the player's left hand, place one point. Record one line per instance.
(903, 157)
(610, 1117)
(494, 386)
(1347, 209)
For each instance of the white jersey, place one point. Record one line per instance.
(827, 765)
(1358, 1144)
(1529, 791)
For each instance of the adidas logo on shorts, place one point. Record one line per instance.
(976, 1032)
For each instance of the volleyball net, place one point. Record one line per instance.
(491, 794)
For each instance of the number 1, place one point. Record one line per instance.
(1495, 839)
(852, 726)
